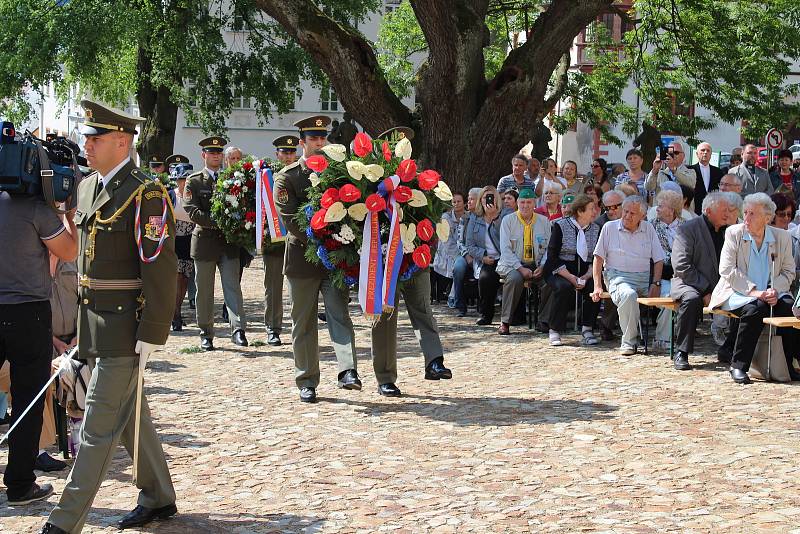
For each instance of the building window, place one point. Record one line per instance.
(328, 101)
(391, 5)
(240, 101)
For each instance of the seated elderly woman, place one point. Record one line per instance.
(552, 201)
(756, 269)
(668, 218)
(785, 209)
(569, 268)
(625, 249)
(523, 242)
(483, 246)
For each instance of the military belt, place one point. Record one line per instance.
(95, 283)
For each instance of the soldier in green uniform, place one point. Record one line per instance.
(272, 254)
(416, 295)
(127, 268)
(156, 164)
(173, 160)
(307, 280)
(210, 250)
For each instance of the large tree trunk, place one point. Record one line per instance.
(157, 135)
(470, 127)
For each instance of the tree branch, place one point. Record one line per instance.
(562, 79)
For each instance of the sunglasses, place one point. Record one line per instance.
(613, 206)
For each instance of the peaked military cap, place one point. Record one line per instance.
(101, 119)
(397, 133)
(174, 159)
(214, 143)
(314, 125)
(286, 142)
(155, 161)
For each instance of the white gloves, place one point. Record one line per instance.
(144, 350)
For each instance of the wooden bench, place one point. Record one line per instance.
(782, 322)
(719, 311)
(666, 303)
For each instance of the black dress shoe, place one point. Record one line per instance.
(483, 321)
(389, 390)
(308, 395)
(436, 370)
(349, 380)
(273, 339)
(739, 376)
(141, 516)
(682, 361)
(206, 343)
(177, 325)
(239, 339)
(45, 462)
(50, 528)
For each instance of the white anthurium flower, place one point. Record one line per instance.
(335, 152)
(314, 179)
(356, 169)
(408, 234)
(335, 213)
(373, 172)
(443, 230)
(358, 211)
(403, 149)
(418, 199)
(442, 190)
(399, 214)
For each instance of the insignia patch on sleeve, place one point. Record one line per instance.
(152, 194)
(152, 229)
(283, 195)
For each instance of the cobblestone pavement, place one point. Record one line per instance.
(525, 438)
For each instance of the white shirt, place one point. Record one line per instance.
(491, 251)
(211, 173)
(705, 171)
(107, 178)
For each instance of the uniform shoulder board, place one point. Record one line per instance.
(289, 167)
(141, 176)
(195, 174)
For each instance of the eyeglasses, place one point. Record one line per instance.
(727, 184)
(613, 206)
(550, 193)
(595, 165)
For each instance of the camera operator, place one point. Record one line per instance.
(31, 229)
(670, 167)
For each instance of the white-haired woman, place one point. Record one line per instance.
(668, 217)
(756, 270)
(552, 201)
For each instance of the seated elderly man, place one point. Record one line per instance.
(626, 248)
(696, 271)
(756, 268)
(524, 236)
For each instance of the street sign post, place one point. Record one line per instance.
(774, 139)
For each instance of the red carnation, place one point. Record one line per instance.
(317, 163)
(318, 220)
(407, 170)
(329, 197)
(422, 256)
(428, 180)
(332, 244)
(375, 202)
(235, 190)
(247, 166)
(362, 144)
(387, 152)
(402, 193)
(425, 230)
(250, 216)
(349, 193)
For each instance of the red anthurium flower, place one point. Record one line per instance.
(349, 193)
(317, 163)
(422, 256)
(387, 152)
(318, 220)
(375, 202)
(247, 166)
(428, 180)
(402, 193)
(362, 144)
(329, 197)
(407, 170)
(425, 230)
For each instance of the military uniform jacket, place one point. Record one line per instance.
(208, 242)
(111, 320)
(290, 193)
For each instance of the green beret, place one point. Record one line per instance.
(526, 192)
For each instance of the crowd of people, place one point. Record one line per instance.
(668, 230)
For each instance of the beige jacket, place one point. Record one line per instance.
(735, 259)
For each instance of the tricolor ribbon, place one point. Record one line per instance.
(266, 213)
(163, 234)
(394, 252)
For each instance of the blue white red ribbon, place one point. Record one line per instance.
(266, 213)
(138, 233)
(394, 251)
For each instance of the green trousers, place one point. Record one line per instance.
(110, 405)
(304, 293)
(273, 291)
(204, 272)
(416, 293)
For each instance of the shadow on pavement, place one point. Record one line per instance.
(487, 411)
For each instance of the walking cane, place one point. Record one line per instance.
(138, 415)
(771, 314)
(68, 355)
